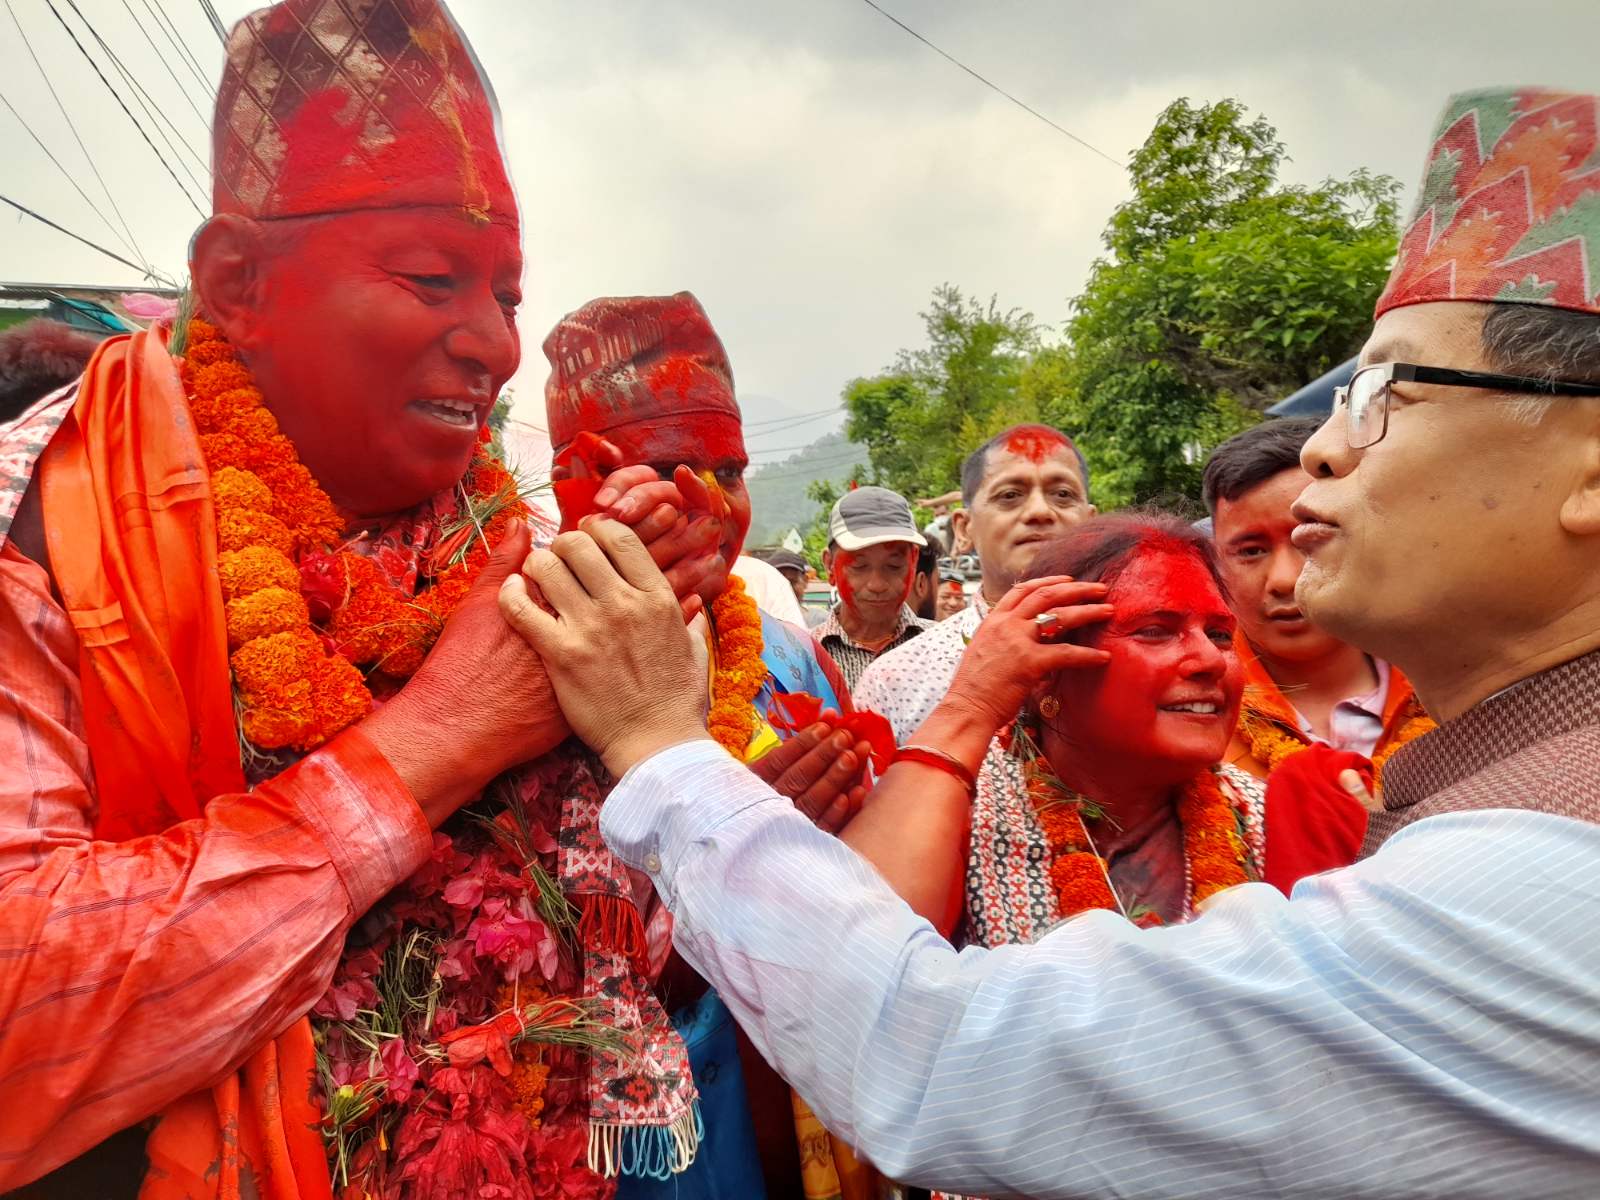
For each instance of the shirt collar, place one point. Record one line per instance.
(832, 627)
(1543, 706)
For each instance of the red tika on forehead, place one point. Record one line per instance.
(1173, 577)
(332, 106)
(1035, 442)
(622, 360)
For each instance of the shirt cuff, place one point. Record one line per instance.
(674, 799)
(367, 819)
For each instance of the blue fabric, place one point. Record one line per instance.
(727, 1166)
(790, 655)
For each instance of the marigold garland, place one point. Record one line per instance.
(1215, 854)
(739, 671)
(304, 615)
(1271, 741)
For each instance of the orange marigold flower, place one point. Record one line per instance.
(233, 488)
(218, 377)
(202, 331)
(237, 529)
(223, 450)
(267, 611)
(270, 663)
(272, 728)
(339, 696)
(250, 425)
(253, 568)
(1080, 884)
(203, 354)
(268, 453)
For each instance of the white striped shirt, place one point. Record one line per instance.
(1423, 1024)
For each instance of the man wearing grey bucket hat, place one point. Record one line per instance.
(871, 560)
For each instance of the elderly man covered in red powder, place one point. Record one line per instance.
(256, 691)
(644, 383)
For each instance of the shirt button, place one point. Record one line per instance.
(652, 863)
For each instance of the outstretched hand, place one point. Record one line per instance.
(1011, 653)
(822, 769)
(614, 642)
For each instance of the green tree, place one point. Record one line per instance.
(1223, 290)
(936, 403)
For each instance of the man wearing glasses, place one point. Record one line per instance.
(1425, 1023)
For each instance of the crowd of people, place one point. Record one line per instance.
(364, 834)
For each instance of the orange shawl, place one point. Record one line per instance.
(1265, 703)
(132, 539)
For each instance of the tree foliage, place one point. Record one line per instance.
(1222, 291)
(936, 403)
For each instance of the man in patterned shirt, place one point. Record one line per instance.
(872, 559)
(1022, 487)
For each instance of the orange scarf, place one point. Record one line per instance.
(133, 548)
(1276, 721)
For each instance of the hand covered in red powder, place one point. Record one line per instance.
(678, 520)
(822, 768)
(1009, 654)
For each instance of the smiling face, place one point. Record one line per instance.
(1261, 566)
(1169, 697)
(705, 443)
(380, 341)
(1032, 491)
(952, 599)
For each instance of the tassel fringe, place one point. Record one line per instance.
(646, 1151)
(612, 923)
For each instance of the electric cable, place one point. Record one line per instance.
(88, 58)
(131, 242)
(989, 84)
(185, 55)
(78, 237)
(167, 66)
(152, 110)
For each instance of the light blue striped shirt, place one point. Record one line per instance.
(1423, 1024)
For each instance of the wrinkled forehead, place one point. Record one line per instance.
(702, 440)
(1447, 333)
(1159, 579)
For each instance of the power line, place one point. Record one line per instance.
(60, 167)
(989, 84)
(167, 66)
(152, 110)
(185, 55)
(90, 60)
(77, 237)
(216, 21)
(851, 459)
(130, 241)
(794, 417)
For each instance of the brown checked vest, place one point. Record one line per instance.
(1535, 745)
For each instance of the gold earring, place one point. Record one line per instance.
(1049, 707)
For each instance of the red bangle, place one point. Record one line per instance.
(939, 761)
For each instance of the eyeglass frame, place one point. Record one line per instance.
(1450, 377)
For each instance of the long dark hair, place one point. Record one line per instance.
(1099, 549)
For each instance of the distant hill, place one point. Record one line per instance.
(778, 490)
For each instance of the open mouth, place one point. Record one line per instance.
(462, 414)
(1199, 708)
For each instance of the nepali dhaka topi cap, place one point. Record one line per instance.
(621, 360)
(334, 106)
(1509, 208)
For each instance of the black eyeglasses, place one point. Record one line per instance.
(1368, 392)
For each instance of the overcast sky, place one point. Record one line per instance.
(809, 170)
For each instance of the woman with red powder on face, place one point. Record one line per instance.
(1111, 794)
